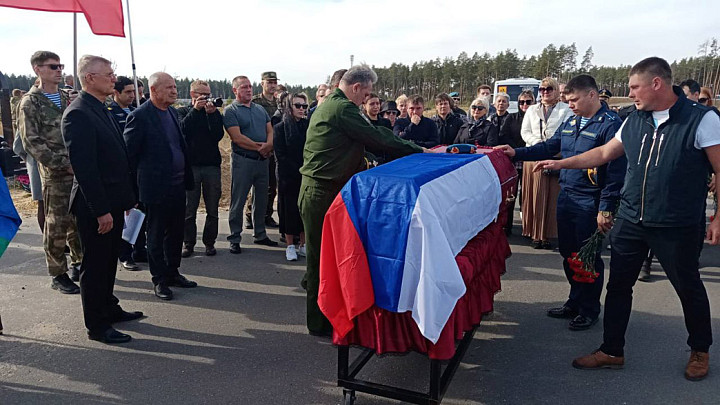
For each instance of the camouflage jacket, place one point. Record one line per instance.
(14, 104)
(269, 106)
(38, 122)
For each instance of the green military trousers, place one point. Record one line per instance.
(314, 201)
(60, 228)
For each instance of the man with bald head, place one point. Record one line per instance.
(159, 157)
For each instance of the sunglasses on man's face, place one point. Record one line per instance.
(478, 107)
(299, 106)
(54, 66)
(390, 112)
(548, 89)
(703, 100)
(523, 102)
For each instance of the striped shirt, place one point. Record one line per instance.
(54, 97)
(583, 121)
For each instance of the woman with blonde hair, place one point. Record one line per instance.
(540, 189)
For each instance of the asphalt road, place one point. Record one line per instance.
(239, 338)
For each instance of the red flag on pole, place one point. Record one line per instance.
(105, 17)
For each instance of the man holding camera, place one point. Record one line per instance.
(202, 126)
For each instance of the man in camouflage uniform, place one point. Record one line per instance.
(14, 104)
(39, 117)
(267, 100)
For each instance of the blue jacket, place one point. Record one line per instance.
(150, 154)
(594, 190)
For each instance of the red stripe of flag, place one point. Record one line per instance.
(105, 17)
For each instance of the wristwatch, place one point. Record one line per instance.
(606, 214)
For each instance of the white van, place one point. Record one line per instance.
(513, 87)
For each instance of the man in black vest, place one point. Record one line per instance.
(159, 156)
(671, 144)
(102, 191)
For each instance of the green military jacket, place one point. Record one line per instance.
(38, 123)
(269, 105)
(336, 141)
(14, 104)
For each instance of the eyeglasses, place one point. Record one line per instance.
(523, 102)
(54, 66)
(703, 100)
(299, 106)
(391, 113)
(548, 89)
(477, 107)
(108, 75)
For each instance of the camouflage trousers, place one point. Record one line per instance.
(60, 227)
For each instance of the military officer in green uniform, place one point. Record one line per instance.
(39, 116)
(334, 151)
(266, 99)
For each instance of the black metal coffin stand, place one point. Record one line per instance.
(439, 381)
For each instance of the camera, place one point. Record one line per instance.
(217, 102)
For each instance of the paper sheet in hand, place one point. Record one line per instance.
(133, 222)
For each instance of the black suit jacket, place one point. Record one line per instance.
(98, 157)
(150, 154)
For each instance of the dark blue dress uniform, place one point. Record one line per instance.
(583, 193)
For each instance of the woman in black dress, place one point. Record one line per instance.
(289, 141)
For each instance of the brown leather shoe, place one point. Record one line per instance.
(698, 366)
(597, 360)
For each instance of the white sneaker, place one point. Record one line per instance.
(290, 253)
(301, 251)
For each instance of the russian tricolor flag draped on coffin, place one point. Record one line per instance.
(391, 236)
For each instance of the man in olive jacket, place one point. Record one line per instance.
(334, 151)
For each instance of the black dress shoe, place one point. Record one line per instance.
(546, 245)
(63, 284)
(235, 248)
(210, 251)
(582, 323)
(75, 272)
(129, 265)
(125, 316)
(109, 336)
(266, 242)
(270, 222)
(163, 292)
(187, 251)
(182, 282)
(536, 244)
(562, 312)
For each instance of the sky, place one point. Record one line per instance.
(304, 41)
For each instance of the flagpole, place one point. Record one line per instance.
(132, 56)
(75, 76)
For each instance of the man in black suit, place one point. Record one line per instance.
(158, 154)
(102, 191)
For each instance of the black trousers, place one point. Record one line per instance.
(165, 223)
(576, 222)
(678, 250)
(139, 248)
(99, 264)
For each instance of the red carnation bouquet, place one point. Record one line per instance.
(582, 263)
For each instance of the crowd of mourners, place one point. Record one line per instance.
(95, 154)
